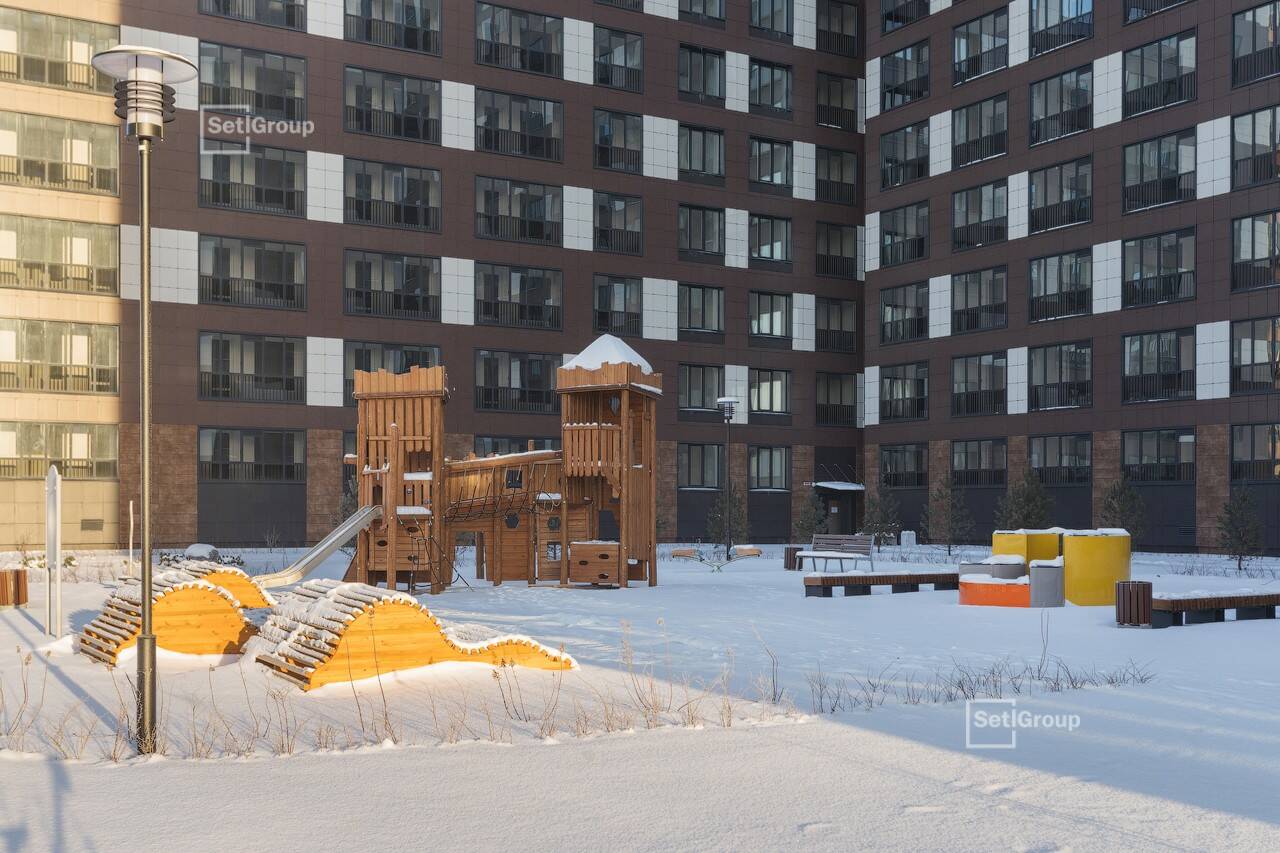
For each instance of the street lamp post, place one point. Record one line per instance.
(727, 405)
(144, 99)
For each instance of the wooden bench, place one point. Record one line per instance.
(827, 547)
(821, 586)
(1135, 605)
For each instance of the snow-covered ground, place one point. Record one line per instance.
(675, 732)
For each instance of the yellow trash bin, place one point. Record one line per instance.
(1092, 563)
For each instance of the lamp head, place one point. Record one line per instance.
(727, 406)
(145, 77)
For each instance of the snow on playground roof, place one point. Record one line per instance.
(607, 349)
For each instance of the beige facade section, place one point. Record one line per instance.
(50, 101)
(102, 11)
(72, 308)
(89, 514)
(56, 204)
(64, 408)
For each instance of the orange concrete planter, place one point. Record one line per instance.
(995, 594)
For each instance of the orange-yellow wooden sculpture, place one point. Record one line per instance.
(243, 588)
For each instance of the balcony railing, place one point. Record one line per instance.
(1064, 303)
(515, 143)
(629, 5)
(37, 468)
(1255, 66)
(981, 148)
(69, 378)
(619, 77)
(902, 13)
(980, 234)
(839, 117)
(58, 277)
(391, 34)
(390, 124)
(901, 94)
(841, 44)
(909, 329)
(979, 477)
(835, 340)
(62, 73)
(1258, 169)
(1156, 289)
(621, 159)
(250, 388)
(1136, 10)
(252, 198)
(1160, 472)
(1252, 469)
(1062, 395)
(838, 265)
(58, 175)
(253, 472)
(1062, 33)
(1163, 93)
(1260, 378)
(1149, 387)
(904, 479)
(619, 322)
(981, 63)
(902, 250)
(904, 408)
(533, 400)
(373, 211)
(1060, 215)
(987, 402)
(836, 414)
(228, 290)
(979, 317)
(290, 14)
(897, 174)
(837, 192)
(391, 303)
(619, 240)
(1061, 124)
(519, 229)
(1160, 191)
(267, 104)
(518, 58)
(1064, 475)
(497, 312)
(1263, 272)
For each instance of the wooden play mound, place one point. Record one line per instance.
(189, 615)
(241, 586)
(327, 631)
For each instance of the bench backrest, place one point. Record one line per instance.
(851, 544)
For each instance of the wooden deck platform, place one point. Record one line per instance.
(822, 586)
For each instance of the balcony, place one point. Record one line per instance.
(513, 142)
(620, 159)
(1258, 169)
(268, 104)
(1065, 475)
(518, 58)
(629, 5)
(619, 240)
(970, 403)
(542, 401)
(1263, 378)
(60, 378)
(518, 229)
(904, 479)
(836, 192)
(1061, 124)
(904, 408)
(391, 34)
(1153, 387)
(391, 303)
(981, 148)
(979, 317)
(1136, 10)
(626, 323)
(897, 95)
(619, 77)
(1160, 191)
(979, 234)
(1062, 34)
(250, 388)
(228, 290)
(903, 250)
(391, 125)
(909, 329)
(894, 16)
(840, 266)
(981, 63)
(836, 414)
(979, 477)
(1254, 469)
(835, 340)
(497, 312)
(37, 468)
(373, 211)
(253, 472)
(1260, 272)
(1160, 472)
(1065, 303)
(1061, 395)
(62, 73)
(290, 14)
(840, 44)
(1062, 214)
(58, 174)
(252, 198)
(1255, 66)
(843, 118)
(1163, 93)
(904, 172)
(59, 277)
(1156, 289)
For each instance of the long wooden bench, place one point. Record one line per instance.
(838, 547)
(822, 586)
(1135, 605)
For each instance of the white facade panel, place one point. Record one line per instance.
(662, 8)
(324, 187)
(325, 18)
(736, 386)
(736, 80)
(805, 24)
(1019, 32)
(458, 291)
(661, 147)
(803, 317)
(939, 306)
(804, 165)
(939, 143)
(1019, 205)
(175, 265)
(659, 307)
(735, 237)
(871, 397)
(873, 88)
(1106, 277)
(324, 372)
(1213, 360)
(579, 218)
(458, 115)
(1016, 380)
(1213, 157)
(871, 242)
(579, 51)
(1108, 88)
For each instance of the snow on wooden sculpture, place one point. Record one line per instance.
(189, 615)
(328, 631)
(235, 581)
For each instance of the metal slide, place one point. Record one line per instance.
(308, 562)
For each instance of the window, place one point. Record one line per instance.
(1160, 171)
(270, 85)
(1159, 268)
(768, 86)
(617, 301)
(81, 451)
(391, 105)
(501, 445)
(1255, 251)
(289, 14)
(701, 308)
(520, 126)
(769, 468)
(1136, 10)
(837, 101)
(1159, 366)
(700, 230)
(516, 382)
(1255, 43)
(519, 211)
(771, 18)
(979, 131)
(837, 399)
(523, 297)
(904, 466)
(836, 324)
(769, 314)
(1062, 105)
(519, 40)
(1255, 356)
(1060, 376)
(700, 385)
(769, 164)
(1255, 452)
(838, 28)
(1057, 23)
(49, 50)
(904, 76)
(979, 300)
(700, 74)
(1159, 455)
(391, 194)
(265, 180)
(904, 392)
(48, 355)
(252, 368)
(904, 313)
(904, 155)
(837, 175)
(769, 391)
(980, 462)
(59, 255)
(619, 141)
(1061, 286)
(1255, 141)
(386, 284)
(405, 24)
(619, 59)
(252, 455)
(701, 154)
(394, 358)
(1061, 195)
(1160, 74)
(769, 238)
(698, 466)
(619, 223)
(837, 250)
(702, 11)
(257, 273)
(980, 46)
(1061, 460)
(60, 154)
(978, 384)
(904, 234)
(896, 14)
(980, 216)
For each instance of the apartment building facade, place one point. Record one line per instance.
(483, 185)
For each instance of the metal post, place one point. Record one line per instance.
(146, 638)
(728, 483)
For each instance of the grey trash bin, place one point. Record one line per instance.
(1046, 586)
